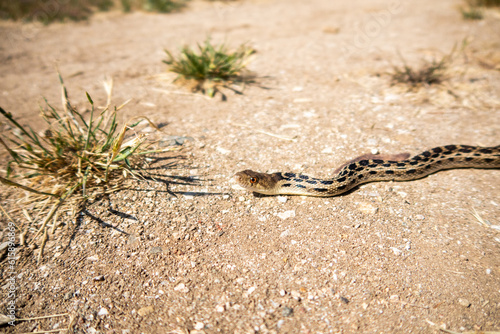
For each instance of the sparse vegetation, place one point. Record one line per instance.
(211, 67)
(74, 159)
(430, 72)
(485, 3)
(51, 11)
(474, 10)
(162, 6)
(472, 13)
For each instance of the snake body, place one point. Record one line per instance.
(371, 168)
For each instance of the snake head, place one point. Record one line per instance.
(258, 182)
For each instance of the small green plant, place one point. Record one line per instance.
(163, 6)
(210, 67)
(73, 156)
(431, 72)
(472, 13)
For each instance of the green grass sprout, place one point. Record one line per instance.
(210, 66)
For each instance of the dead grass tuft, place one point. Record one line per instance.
(429, 73)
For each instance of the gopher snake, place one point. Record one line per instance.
(371, 168)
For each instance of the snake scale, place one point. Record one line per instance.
(371, 168)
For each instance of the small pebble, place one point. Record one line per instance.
(285, 234)
(367, 208)
(222, 150)
(464, 302)
(181, 287)
(102, 312)
(145, 310)
(396, 251)
(286, 214)
(374, 151)
(488, 271)
(394, 298)
(287, 311)
(282, 199)
(219, 308)
(155, 250)
(199, 326)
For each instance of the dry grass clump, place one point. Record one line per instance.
(74, 159)
(210, 66)
(428, 73)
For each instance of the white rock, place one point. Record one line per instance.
(285, 234)
(181, 288)
(219, 308)
(394, 298)
(367, 208)
(103, 311)
(327, 150)
(222, 150)
(199, 326)
(464, 302)
(286, 214)
(282, 199)
(396, 251)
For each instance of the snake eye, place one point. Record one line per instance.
(253, 180)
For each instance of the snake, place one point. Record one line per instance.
(371, 168)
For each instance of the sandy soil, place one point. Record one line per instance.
(386, 258)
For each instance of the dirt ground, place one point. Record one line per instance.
(386, 258)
